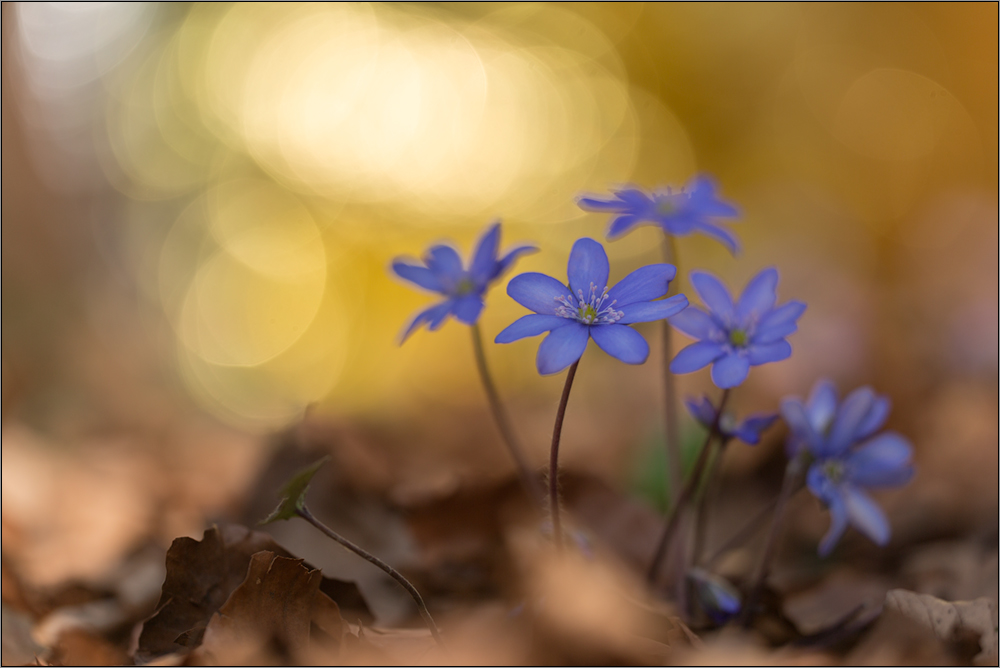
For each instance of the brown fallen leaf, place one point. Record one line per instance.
(951, 621)
(200, 577)
(78, 647)
(272, 609)
(17, 646)
(834, 598)
(589, 608)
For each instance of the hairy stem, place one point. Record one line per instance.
(554, 457)
(304, 513)
(673, 519)
(672, 434)
(529, 481)
(790, 484)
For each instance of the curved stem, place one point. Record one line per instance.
(744, 533)
(673, 519)
(793, 472)
(529, 481)
(554, 457)
(672, 434)
(708, 487)
(304, 513)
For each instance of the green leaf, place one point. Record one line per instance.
(293, 494)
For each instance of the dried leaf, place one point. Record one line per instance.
(17, 647)
(951, 621)
(78, 647)
(200, 577)
(376, 647)
(273, 607)
(293, 494)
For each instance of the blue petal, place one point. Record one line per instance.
(588, 265)
(701, 409)
(650, 311)
(434, 316)
(763, 353)
(720, 234)
(530, 325)
(696, 356)
(730, 371)
(714, 294)
(561, 348)
(467, 308)
(802, 428)
(779, 323)
(484, 259)
(883, 461)
(875, 419)
(418, 275)
(697, 324)
(643, 284)
(849, 417)
(537, 292)
(838, 524)
(702, 192)
(445, 262)
(820, 485)
(622, 224)
(507, 260)
(865, 515)
(758, 296)
(822, 404)
(621, 342)
(635, 198)
(597, 204)
(753, 426)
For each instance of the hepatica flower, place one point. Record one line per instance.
(463, 289)
(678, 213)
(735, 336)
(849, 458)
(587, 308)
(748, 431)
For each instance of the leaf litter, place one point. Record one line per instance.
(479, 552)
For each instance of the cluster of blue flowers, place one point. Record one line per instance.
(837, 444)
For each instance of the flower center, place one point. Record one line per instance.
(590, 309)
(465, 286)
(665, 207)
(833, 470)
(738, 337)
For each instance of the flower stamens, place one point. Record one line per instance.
(589, 309)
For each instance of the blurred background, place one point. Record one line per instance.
(200, 204)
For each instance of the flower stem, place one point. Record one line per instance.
(744, 533)
(304, 513)
(790, 485)
(672, 437)
(529, 481)
(554, 457)
(673, 519)
(708, 488)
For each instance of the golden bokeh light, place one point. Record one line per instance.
(275, 158)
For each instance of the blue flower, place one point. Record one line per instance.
(463, 288)
(848, 458)
(677, 213)
(734, 337)
(588, 309)
(748, 431)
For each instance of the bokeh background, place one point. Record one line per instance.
(200, 203)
